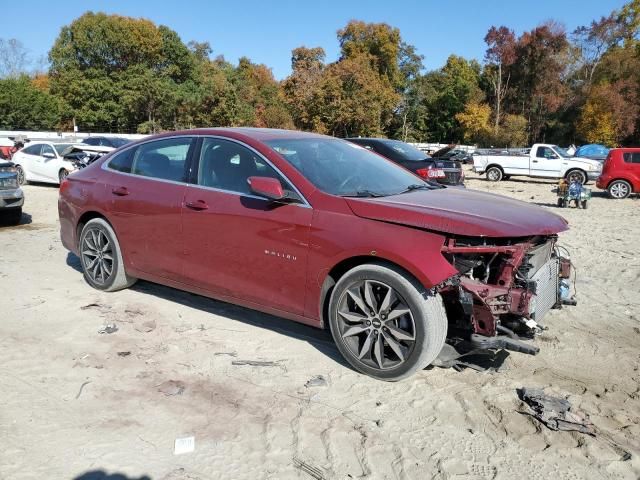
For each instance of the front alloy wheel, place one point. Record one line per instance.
(577, 176)
(385, 323)
(20, 174)
(376, 324)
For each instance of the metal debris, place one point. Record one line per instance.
(314, 472)
(256, 363)
(108, 328)
(317, 381)
(556, 413)
(81, 387)
(124, 354)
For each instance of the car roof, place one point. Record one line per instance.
(260, 134)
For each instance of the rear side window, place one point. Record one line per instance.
(33, 149)
(631, 157)
(164, 159)
(122, 162)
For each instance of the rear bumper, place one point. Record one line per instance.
(602, 182)
(11, 198)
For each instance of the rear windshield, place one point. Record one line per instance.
(406, 151)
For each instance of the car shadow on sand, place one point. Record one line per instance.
(26, 219)
(321, 340)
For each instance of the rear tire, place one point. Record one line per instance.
(385, 324)
(101, 257)
(561, 202)
(619, 189)
(584, 204)
(494, 174)
(62, 175)
(576, 175)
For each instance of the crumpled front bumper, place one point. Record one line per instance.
(13, 198)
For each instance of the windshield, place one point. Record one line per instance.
(561, 151)
(406, 151)
(61, 147)
(343, 168)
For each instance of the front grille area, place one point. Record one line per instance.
(545, 285)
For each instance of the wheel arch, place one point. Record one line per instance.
(576, 169)
(84, 219)
(342, 267)
(497, 165)
(623, 179)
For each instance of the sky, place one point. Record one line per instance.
(267, 31)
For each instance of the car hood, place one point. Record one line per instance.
(461, 212)
(587, 161)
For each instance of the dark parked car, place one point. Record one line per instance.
(444, 171)
(113, 142)
(321, 231)
(11, 195)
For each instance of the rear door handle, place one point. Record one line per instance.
(535, 161)
(120, 191)
(197, 205)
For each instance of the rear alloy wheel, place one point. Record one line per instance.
(577, 176)
(384, 323)
(619, 189)
(101, 257)
(20, 174)
(494, 174)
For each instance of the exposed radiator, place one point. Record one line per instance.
(545, 284)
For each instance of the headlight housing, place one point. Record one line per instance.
(8, 182)
(8, 170)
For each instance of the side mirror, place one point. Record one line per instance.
(48, 155)
(267, 187)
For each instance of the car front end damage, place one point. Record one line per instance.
(503, 290)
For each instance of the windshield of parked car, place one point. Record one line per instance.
(61, 147)
(118, 142)
(561, 151)
(343, 168)
(406, 151)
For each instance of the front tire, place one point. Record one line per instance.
(62, 175)
(22, 179)
(494, 174)
(619, 189)
(101, 257)
(385, 324)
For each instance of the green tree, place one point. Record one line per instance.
(23, 106)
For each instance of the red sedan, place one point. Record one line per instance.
(320, 231)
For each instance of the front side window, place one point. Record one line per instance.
(48, 150)
(545, 152)
(33, 149)
(227, 165)
(164, 159)
(122, 162)
(61, 147)
(342, 168)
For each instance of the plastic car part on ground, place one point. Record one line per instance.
(556, 413)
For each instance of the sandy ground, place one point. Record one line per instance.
(70, 404)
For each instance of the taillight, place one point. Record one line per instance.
(423, 172)
(64, 185)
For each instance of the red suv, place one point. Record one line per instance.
(621, 172)
(321, 231)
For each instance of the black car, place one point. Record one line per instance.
(444, 171)
(11, 195)
(114, 142)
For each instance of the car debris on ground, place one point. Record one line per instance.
(108, 328)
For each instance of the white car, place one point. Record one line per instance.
(42, 162)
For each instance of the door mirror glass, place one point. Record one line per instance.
(267, 187)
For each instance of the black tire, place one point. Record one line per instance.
(12, 216)
(424, 319)
(92, 239)
(619, 189)
(578, 175)
(21, 176)
(584, 204)
(62, 175)
(561, 202)
(506, 177)
(494, 174)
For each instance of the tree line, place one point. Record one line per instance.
(111, 73)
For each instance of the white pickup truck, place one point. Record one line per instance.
(541, 160)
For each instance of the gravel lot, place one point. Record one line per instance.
(75, 401)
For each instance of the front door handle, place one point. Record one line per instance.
(120, 191)
(197, 205)
(534, 161)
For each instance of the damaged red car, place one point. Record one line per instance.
(320, 231)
